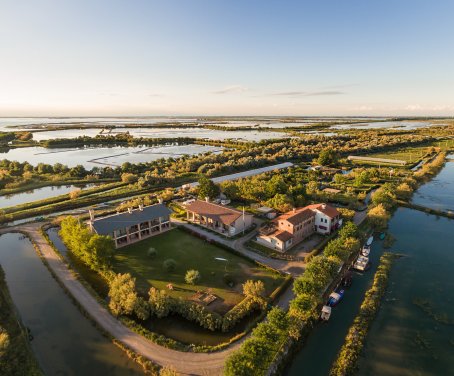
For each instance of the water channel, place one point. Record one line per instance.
(413, 333)
(65, 342)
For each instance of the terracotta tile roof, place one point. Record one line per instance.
(283, 236)
(297, 216)
(216, 212)
(328, 210)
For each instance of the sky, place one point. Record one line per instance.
(231, 57)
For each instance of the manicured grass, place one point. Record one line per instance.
(190, 252)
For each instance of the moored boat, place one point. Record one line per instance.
(335, 297)
(370, 240)
(326, 313)
(382, 236)
(365, 251)
(361, 263)
(347, 280)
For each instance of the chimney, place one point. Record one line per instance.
(129, 210)
(160, 200)
(92, 214)
(207, 199)
(140, 207)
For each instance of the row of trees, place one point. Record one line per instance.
(94, 250)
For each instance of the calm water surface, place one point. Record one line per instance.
(37, 194)
(413, 333)
(439, 192)
(65, 342)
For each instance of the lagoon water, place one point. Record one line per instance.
(103, 156)
(37, 194)
(65, 342)
(439, 192)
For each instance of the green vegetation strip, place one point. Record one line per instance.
(347, 360)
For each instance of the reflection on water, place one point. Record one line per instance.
(65, 342)
(439, 192)
(37, 194)
(103, 156)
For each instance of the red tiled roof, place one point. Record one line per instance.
(297, 216)
(328, 210)
(217, 212)
(283, 236)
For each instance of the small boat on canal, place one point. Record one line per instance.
(370, 241)
(382, 236)
(326, 313)
(362, 263)
(335, 297)
(365, 251)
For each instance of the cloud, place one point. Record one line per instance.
(307, 93)
(231, 89)
(413, 107)
(155, 95)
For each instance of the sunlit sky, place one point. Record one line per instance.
(231, 57)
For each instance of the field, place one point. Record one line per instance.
(190, 252)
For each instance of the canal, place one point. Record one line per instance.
(413, 333)
(65, 342)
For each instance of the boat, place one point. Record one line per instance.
(361, 263)
(347, 280)
(365, 251)
(382, 236)
(335, 297)
(370, 240)
(326, 313)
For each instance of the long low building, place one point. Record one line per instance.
(133, 225)
(222, 219)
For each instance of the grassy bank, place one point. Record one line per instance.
(347, 360)
(16, 356)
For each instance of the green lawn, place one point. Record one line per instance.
(409, 154)
(190, 252)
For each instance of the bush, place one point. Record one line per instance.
(169, 265)
(192, 277)
(152, 253)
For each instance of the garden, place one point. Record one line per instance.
(167, 258)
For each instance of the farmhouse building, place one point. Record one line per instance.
(222, 219)
(293, 227)
(133, 225)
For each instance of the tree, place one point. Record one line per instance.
(78, 171)
(303, 306)
(348, 230)
(142, 309)
(328, 157)
(281, 202)
(384, 196)
(192, 277)
(100, 251)
(159, 302)
(122, 294)
(168, 371)
(378, 216)
(254, 290)
(169, 265)
(207, 188)
(128, 177)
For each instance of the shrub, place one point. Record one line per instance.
(192, 277)
(169, 265)
(152, 253)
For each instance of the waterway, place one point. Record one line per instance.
(37, 194)
(90, 157)
(413, 333)
(439, 192)
(65, 342)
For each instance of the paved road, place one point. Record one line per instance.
(185, 363)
